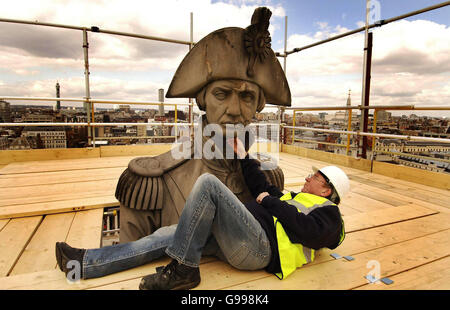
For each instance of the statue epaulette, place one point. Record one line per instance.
(141, 185)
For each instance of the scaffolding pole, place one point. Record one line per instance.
(376, 24)
(366, 83)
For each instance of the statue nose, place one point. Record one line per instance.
(234, 105)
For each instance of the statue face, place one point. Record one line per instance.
(231, 102)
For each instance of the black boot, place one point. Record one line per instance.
(174, 276)
(65, 253)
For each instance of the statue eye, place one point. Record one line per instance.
(220, 94)
(247, 96)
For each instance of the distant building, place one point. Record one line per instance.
(125, 107)
(5, 112)
(413, 147)
(349, 104)
(58, 103)
(383, 116)
(37, 118)
(415, 154)
(322, 115)
(4, 143)
(24, 143)
(52, 137)
(161, 100)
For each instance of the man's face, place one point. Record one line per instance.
(317, 185)
(231, 102)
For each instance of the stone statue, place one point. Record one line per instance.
(232, 73)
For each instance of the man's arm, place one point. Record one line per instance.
(254, 178)
(320, 228)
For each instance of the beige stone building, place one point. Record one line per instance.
(52, 137)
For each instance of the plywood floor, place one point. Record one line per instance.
(395, 229)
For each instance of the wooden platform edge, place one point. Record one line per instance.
(54, 207)
(429, 178)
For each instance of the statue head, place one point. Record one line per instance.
(232, 73)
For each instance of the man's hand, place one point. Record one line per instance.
(261, 197)
(238, 147)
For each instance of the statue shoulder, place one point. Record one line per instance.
(141, 186)
(154, 166)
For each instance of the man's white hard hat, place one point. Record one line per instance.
(337, 178)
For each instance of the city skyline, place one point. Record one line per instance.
(411, 58)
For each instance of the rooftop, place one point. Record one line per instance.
(395, 226)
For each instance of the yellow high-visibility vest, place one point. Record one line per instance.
(295, 255)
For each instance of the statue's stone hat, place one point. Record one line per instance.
(234, 53)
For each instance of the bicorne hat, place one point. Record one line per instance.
(234, 53)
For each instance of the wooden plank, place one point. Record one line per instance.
(392, 197)
(355, 243)
(361, 241)
(134, 150)
(56, 280)
(431, 276)
(295, 181)
(290, 172)
(384, 217)
(59, 177)
(402, 184)
(9, 156)
(297, 164)
(417, 191)
(297, 167)
(379, 194)
(397, 183)
(429, 205)
(329, 158)
(86, 229)
(40, 252)
(362, 203)
(370, 182)
(66, 165)
(225, 275)
(430, 178)
(3, 223)
(13, 240)
(294, 188)
(438, 200)
(342, 274)
(347, 211)
(54, 192)
(216, 274)
(70, 205)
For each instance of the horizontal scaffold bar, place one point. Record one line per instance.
(376, 24)
(373, 107)
(379, 135)
(93, 100)
(95, 29)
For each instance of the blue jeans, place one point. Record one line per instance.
(213, 222)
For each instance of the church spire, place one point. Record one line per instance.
(349, 100)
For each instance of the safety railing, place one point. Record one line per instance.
(94, 124)
(87, 100)
(364, 107)
(374, 135)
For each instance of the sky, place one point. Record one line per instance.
(410, 62)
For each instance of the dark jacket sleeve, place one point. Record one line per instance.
(256, 180)
(318, 229)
